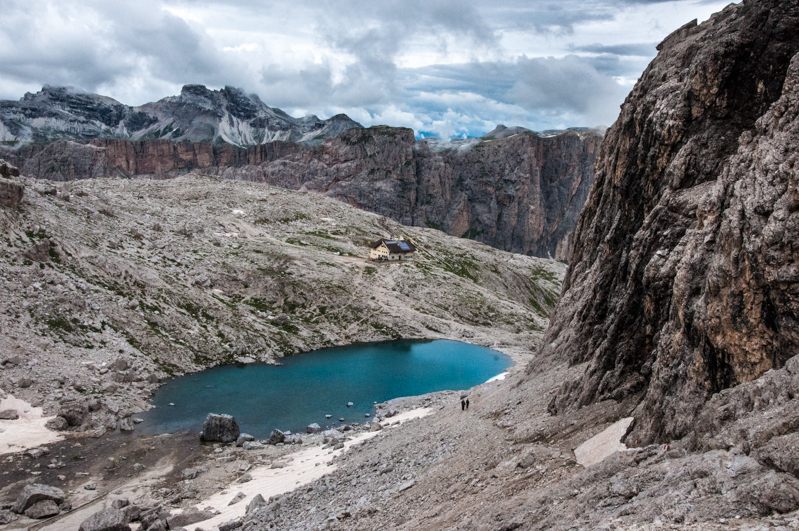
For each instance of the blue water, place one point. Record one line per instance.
(309, 386)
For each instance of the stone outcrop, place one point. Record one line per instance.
(683, 280)
(220, 428)
(520, 192)
(196, 115)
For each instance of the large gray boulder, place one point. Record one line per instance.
(109, 519)
(220, 428)
(313, 428)
(42, 509)
(276, 437)
(9, 414)
(33, 494)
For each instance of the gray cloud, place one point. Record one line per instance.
(353, 56)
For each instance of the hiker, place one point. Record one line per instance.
(467, 403)
(463, 405)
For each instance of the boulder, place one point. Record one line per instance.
(13, 360)
(237, 498)
(256, 503)
(109, 519)
(157, 525)
(252, 445)
(188, 517)
(244, 479)
(120, 364)
(230, 525)
(35, 493)
(7, 170)
(277, 436)
(10, 193)
(57, 424)
(191, 473)
(74, 412)
(376, 426)
(131, 512)
(313, 428)
(120, 503)
(243, 438)
(42, 509)
(25, 382)
(526, 462)
(220, 428)
(9, 414)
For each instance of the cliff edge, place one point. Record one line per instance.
(683, 280)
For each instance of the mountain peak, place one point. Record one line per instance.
(197, 114)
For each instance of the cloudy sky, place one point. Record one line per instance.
(443, 67)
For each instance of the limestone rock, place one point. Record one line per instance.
(9, 414)
(32, 494)
(230, 525)
(237, 498)
(277, 436)
(313, 428)
(42, 509)
(109, 519)
(220, 428)
(74, 412)
(57, 424)
(256, 503)
(244, 437)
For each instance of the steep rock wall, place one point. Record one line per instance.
(522, 193)
(683, 280)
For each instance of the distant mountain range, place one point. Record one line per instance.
(198, 114)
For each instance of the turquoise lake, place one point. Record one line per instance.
(308, 386)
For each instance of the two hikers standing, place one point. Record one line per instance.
(464, 404)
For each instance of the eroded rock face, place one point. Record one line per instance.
(683, 279)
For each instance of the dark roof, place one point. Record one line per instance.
(395, 246)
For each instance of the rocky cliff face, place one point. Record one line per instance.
(683, 280)
(196, 115)
(512, 189)
(522, 193)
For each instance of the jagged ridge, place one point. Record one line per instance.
(196, 115)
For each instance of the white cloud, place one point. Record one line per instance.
(449, 67)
